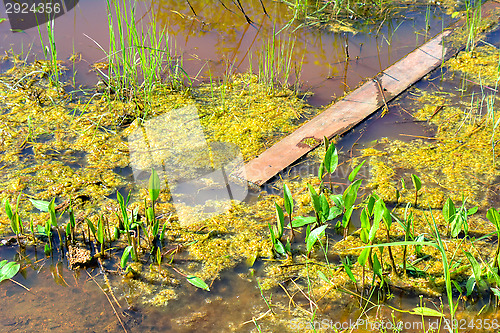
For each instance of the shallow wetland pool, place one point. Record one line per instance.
(117, 164)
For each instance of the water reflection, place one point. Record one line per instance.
(217, 36)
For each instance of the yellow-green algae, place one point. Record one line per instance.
(55, 146)
(481, 64)
(240, 234)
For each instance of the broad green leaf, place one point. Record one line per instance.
(378, 210)
(456, 225)
(123, 209)
(457, 286)
(476, 268)
(321, 170)
(150, 214)
(370, 204)
(473, 210)
(315, 199)
(2, 19)
(495, 291)
(154, 186)
(416, 182)
(126, 255)
(68, 230)
(494, 217)
(373, 230)
(288, 246)
(351, 193)
(197, 282)
(347, 217)
(9, 270)
(363, 256)
(386, 216)
(271, 233)
(355, 171)
(377, 268)
(14, 224)
(423, 311)
(337, 200)
(41, 205)
(325, 207)
(288, 200)
(156, 227)
(364, 219)
(278, 246)
(449, 211)
(47, 249)
(91, 226)
(471, 283)
(323, 277)
(2, 263)
(300, 221)
(331, 159)
(52, 211)
(334, 212)
(280, 220)
(314, 236)
(8, 209)
(365, 226)
(348, 271)
(100, 231)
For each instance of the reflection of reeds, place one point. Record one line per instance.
(342, 14)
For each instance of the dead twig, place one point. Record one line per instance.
(110, 303)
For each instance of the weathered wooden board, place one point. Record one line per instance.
(352, 109)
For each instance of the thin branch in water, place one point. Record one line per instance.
(192, 9)
(111, 303)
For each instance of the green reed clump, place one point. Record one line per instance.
(139, 59)
(276, 65)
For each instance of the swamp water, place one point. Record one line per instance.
(81, 150)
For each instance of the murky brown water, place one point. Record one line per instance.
(217, 36)
(60, 300)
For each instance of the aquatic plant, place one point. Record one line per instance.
(137, 58)
(8, 269)
(417, 184)
(494, 217)
(50, 51)
(99, 233)
(275, 61)
(329, 163)
(15, 221)
(288, 199)
(457, 219)
(276, 236)
(314, 236)
(153, 224)
(126, 224)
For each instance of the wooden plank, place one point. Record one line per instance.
(350, 110)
